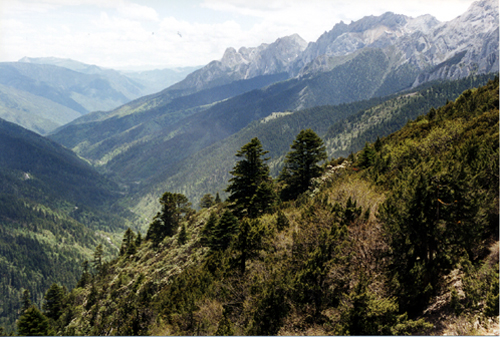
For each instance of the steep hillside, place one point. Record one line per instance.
(54, 211)
(396, 236)
(351, 134)
(33, 112)
(345, 128)
(77, 91)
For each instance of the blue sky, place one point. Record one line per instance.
(148, 34)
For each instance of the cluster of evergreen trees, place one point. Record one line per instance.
(251, 192)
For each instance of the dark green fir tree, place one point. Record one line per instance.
(301, 164)
(224, 231)
(248, 174)
(54, 301)
(33, 323)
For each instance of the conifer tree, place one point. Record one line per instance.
(248, 241)
(175, 208)
(54, 301)
(128, 243)
(97, 262)
(86, 277)
(263, 200)
(367, 156)
(138, 240)
(377, 145)
(224, 231)
(248, 174)
(207, 201)
(207, 231)
(282, 221)
(33, 323)
(25, 300)
(301, 162)
(182, 235)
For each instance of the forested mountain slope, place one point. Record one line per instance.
(400, 234)
(345, 128)
(33, 112)
(54, 211)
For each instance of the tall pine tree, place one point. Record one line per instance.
(175, 208)
(224, 231)
(301, 164)
(248, 175)
(54, 301)
(33, 323)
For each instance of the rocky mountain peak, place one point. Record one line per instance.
(389, 20)
(466, 44)
(247, 63)
(231, 58)
(422, 23)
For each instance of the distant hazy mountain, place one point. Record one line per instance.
(159, 79)
(79, 93)
(36, 113)
(137, 83)
(42, 94)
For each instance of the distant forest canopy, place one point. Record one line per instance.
(400, 237)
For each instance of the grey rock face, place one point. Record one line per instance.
(449, 50)
(246, 63)
(463, 46)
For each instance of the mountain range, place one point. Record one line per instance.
(45, 93)
(146, 142)
(422, 45)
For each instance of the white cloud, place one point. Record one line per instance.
(311, 18)
(120, 33)
(137, 12)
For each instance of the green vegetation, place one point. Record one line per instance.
(33, 323)
(54, 211)
(175, 208)
(207, 170)
(351, 134)
(301, 164)
(149, 144)
(249, 193)
(369, 248)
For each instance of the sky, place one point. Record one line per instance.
(157, 34)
